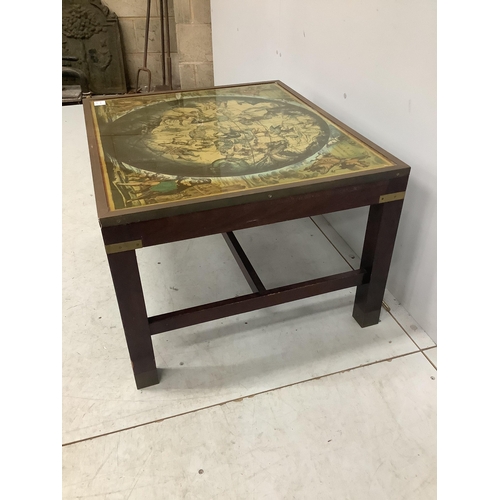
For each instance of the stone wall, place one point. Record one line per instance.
(194, 42)
(132, 19)
(190, 41)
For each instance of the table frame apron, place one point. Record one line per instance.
(384, 196)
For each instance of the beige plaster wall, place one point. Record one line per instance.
(372, 64)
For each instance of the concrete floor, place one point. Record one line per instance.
(290, 402)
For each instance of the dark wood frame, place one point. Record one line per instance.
(124, 231)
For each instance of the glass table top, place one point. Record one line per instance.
(190, 146)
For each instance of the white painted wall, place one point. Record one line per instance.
(372, 64)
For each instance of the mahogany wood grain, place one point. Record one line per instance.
(380, 237)
(128, 288)
(254, 301)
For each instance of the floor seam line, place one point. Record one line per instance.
(385, 360)
(404, 330)
(331, 243)
(428, 359)
(350, 265)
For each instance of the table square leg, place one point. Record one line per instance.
(130, 297)
(380, 237)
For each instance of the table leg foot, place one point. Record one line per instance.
(380, 238)
(365, 319)
(146, 379)
(130, 297)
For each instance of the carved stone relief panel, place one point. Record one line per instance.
(91, 44)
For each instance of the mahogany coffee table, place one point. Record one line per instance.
(177, 165)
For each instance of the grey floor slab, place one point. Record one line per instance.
(397, 311)
(369, 433)
(290, 252)
(206, 364)
(432, 355)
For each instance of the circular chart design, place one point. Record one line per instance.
(217, 136)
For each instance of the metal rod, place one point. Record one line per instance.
(162, 35)
(167, 37)
(146, 35)
(145, 60)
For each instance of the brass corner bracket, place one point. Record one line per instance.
(391, 197)
(123, 247)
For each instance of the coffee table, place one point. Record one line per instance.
(177, 165)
